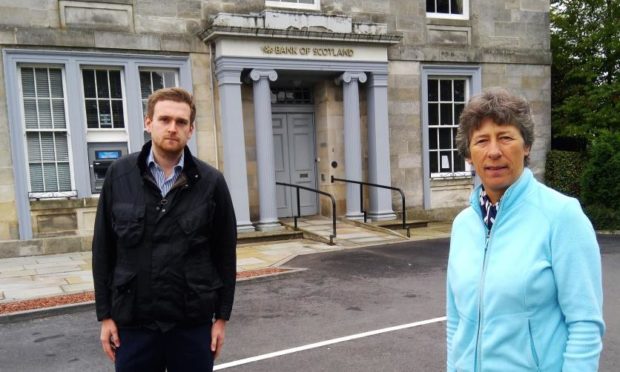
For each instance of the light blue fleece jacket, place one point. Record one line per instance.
(528, 295)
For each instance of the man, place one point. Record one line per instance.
(164, 260)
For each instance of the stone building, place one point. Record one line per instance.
(295, 91)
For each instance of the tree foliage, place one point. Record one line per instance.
(585, 43)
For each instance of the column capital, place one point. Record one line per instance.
(257, 74)
(348, 76)
(228, 76)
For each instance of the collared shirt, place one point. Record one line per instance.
(164, 184)
(489, 210)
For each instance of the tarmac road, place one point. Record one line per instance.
(342, 293)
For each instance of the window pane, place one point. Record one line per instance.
(145, 84)
(430, 6)
(456, 6)
(50, 178)
(170, 79)
(445, 140)
(446, 114)
(433, 90)
(28, 82)
(445, 88)
(445, 161)
(102, 84)
(34, 147)
(442, 6)
(36, 178)
(432, 138)
(158, 80)
(459, 162)
(64, 177)
(433, 162)
(115, 84)
(45, 114)
(56, 83)
(48, 151)
(43, 89)
(92, 117)
(433, 114)
(458, 108)
(88, 78)
(117, 114)
(105, 115)
(30, 114)
(459, 90)
(62, 147)
(59, 114)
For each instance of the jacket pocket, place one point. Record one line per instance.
(532, 344)
(123, 296)
(196, 224)
(202, 284)
(128, 224)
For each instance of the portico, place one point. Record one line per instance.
(356, 71)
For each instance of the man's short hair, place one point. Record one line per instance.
(501, 106)
(171, 94)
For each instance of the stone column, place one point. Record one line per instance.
(265, 163)
(352, 139)
(379, 148)
(233, 143)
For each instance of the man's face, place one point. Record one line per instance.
(170, 126)
(498, 155)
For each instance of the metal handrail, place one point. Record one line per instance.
(361, 183)
(297, 187)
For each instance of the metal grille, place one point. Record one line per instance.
(291, 95)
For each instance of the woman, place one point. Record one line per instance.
(524, 289)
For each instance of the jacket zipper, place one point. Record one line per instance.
(480, 302)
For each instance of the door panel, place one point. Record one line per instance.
(294, 148)
(301, 155)
(280, 152)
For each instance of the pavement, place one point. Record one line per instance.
(39, 277)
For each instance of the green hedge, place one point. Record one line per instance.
(600, 182)
(563, 171)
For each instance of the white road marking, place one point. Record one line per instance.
(325, 343)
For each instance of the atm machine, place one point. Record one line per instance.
(100, 156)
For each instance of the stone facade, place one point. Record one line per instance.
(508, 41)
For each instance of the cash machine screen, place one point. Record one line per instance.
(107, 155)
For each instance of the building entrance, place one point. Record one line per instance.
(294, 156)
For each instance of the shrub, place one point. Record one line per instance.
(600, 181)
(563, 171)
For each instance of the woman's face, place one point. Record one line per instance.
(498, 154)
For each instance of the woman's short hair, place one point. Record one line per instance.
(501, 106)
(171, 94)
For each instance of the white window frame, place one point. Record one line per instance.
(290, 5)
(474, 75)
(24, 132)
(451, 175)
(465, 14)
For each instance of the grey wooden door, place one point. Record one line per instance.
(294, 150)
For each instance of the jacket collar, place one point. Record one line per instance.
(511, 197)
(189, 167)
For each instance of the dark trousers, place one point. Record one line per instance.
(177, 350)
